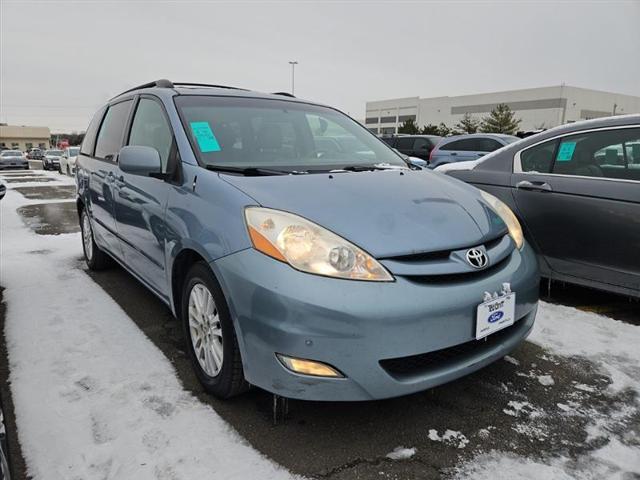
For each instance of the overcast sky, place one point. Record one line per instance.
(61, 59)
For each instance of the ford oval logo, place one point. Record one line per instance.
(495, 316)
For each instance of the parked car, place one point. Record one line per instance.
(68, 160)
(51, 160)
(576, 191)
(311, 274)
(460, 148)
(13, 159)
(3, 190)
(35, 154)
(419, 146)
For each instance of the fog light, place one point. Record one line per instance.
(308, 367)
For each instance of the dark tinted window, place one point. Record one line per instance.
(387, 119)
(405, 143)
(488, 145)
(112, 130)
(422, 144)
(539, 158)
(89, 140)
(467, 144)
(369, 120)
(599, 154)
(150, 128)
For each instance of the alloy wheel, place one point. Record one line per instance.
(205, 330)
(87, 237)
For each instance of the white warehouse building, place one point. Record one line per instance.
(538, 108)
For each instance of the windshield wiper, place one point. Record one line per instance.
(249, 171)
(368, 168)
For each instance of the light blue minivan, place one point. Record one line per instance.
(312, 272)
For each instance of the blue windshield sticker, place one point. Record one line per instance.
(565, 152)
(207, 141)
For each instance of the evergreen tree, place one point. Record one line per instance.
(430, 129)
(500, 120)
(409, 126)
(443, 130)
(468, 124)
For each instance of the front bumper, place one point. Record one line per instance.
(354, 325)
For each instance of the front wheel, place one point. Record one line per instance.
(96, 259)
(210, 335)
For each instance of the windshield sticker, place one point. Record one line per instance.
(565, 152)
(207, 141)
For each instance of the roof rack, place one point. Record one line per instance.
(190, 84)
(284, 94)
(162, 83)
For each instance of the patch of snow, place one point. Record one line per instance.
(584, 388)
(401, 453)
(522, 408)
(510, 359)
(546, 380)
(449, 437)
(467, 165)
(94, 398)
(610, 344)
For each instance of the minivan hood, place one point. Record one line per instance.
(387, 213)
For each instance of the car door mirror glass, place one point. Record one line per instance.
(140, 160)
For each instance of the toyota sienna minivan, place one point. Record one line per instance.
(311, 272)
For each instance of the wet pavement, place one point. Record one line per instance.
(504, 406)
(48, 192)
(30, 178)
(51, 218)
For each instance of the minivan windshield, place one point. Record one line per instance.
(73, 151)
(250, 133)
(54, 153)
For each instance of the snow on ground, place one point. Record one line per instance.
(401, 453)
(94, 398)
(612, 345)
(614, 348)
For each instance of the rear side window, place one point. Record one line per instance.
(468, 144)
(488, 145)
(89, 140)
(405, 143)
(150, 129)
(538, 159)
(112, 130)
(422, 144)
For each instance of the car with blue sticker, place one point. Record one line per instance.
(301, 253)
(576, 191)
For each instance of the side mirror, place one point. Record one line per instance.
(140, 160)
(417, 162)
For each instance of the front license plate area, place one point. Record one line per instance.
(495, 315)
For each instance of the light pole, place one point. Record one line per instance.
(293, 75)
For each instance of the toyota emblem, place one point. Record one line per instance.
(476, 258)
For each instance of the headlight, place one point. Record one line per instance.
(310, 248)
(507, 216)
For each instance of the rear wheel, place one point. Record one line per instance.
(210, 335)
(96, 259)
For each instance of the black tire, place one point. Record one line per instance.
(97, 260)
(230, 379)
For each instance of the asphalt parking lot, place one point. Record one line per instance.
(496, 408)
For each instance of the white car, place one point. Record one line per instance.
(68, 160)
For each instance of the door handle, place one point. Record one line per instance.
(453, 154)
(540, 186)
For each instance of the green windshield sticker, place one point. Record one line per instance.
(207, 141)
(565, 152)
